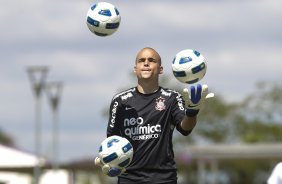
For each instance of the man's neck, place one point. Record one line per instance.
(146, 88)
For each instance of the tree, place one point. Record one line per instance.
(6, 139)
(260, 115)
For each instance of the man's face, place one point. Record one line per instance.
(148, 64)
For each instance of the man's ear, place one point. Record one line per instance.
(161, 70)
(134, 70)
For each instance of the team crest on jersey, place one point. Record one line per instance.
(160, 105)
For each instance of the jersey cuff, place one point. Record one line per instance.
(191, 112)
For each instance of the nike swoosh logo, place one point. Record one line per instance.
(128, 108)
(192, 106)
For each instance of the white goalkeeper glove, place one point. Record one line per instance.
(196, 98)
(107, 169)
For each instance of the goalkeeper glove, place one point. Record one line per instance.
(109, 170)
(195, 98)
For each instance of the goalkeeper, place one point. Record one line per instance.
(147, 115)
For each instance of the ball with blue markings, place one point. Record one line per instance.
(117, 152)
(189, 66)
(103, 19)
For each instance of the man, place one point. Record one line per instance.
(147, 115)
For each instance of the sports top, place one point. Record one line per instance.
(148, 121)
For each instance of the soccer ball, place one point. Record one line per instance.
(189, 66)
(116, 151)
(103, 19)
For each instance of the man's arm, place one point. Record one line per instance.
(188, 123)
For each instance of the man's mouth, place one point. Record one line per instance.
(146, 70)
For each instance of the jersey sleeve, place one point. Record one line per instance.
(178, 113)
(113, 122)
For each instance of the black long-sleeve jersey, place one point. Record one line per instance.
(148, 121)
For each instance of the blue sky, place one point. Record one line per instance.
(241, 41)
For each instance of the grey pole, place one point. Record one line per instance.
(37, 76)
(53, 90)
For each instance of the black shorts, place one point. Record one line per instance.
(148, 176)
(171, 182)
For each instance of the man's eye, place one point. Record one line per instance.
(151, 60)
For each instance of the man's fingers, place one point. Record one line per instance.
(210, 95)
(205, 87)
(98, 162)
(205, 90)
(105, 169)
(204, 93)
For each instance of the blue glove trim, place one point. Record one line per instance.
(191, 112)
(196, 95)
(113, 172)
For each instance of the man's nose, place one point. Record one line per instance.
(146, 62)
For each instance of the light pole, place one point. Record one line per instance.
(53, 90)
(37, 76)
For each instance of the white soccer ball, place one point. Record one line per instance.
(189, 66)
(103, 19)
(116, 151)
